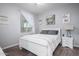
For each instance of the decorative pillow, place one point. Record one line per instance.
(50, 32)
(44, 32)
(53, 32)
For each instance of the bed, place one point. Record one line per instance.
(43, 44)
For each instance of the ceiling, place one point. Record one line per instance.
(40, 8)
(37, 8)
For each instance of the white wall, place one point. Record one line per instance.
(9, 34)
(59, 11)
(36, 24)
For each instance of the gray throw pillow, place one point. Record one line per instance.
(44, 32)
(53, 32)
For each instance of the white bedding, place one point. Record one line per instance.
(49, 41)
(42, 39)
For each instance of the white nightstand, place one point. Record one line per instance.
(67, 42)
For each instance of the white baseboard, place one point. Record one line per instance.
(10, 46)
(76, 45)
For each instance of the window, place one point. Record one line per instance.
(25, 25)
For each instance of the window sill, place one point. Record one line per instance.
(26, 33)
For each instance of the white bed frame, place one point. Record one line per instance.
(37, 48)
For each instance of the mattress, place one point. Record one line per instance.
(42, 39)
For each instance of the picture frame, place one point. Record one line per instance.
(3, 20)
(51, 20)
(66, 18)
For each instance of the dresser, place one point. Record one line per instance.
(1, 52)
(67, 42)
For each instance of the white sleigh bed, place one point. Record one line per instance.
(41, 44)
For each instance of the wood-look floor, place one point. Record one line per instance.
(60, 51)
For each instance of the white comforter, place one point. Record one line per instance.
(50, 41)
(42, 39)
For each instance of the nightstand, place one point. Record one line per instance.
(67, 42)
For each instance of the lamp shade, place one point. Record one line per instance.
(68, 27)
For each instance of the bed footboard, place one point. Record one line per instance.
(33, 47)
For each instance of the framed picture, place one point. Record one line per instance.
(3, 20)
(66, 18)
(51, 20)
